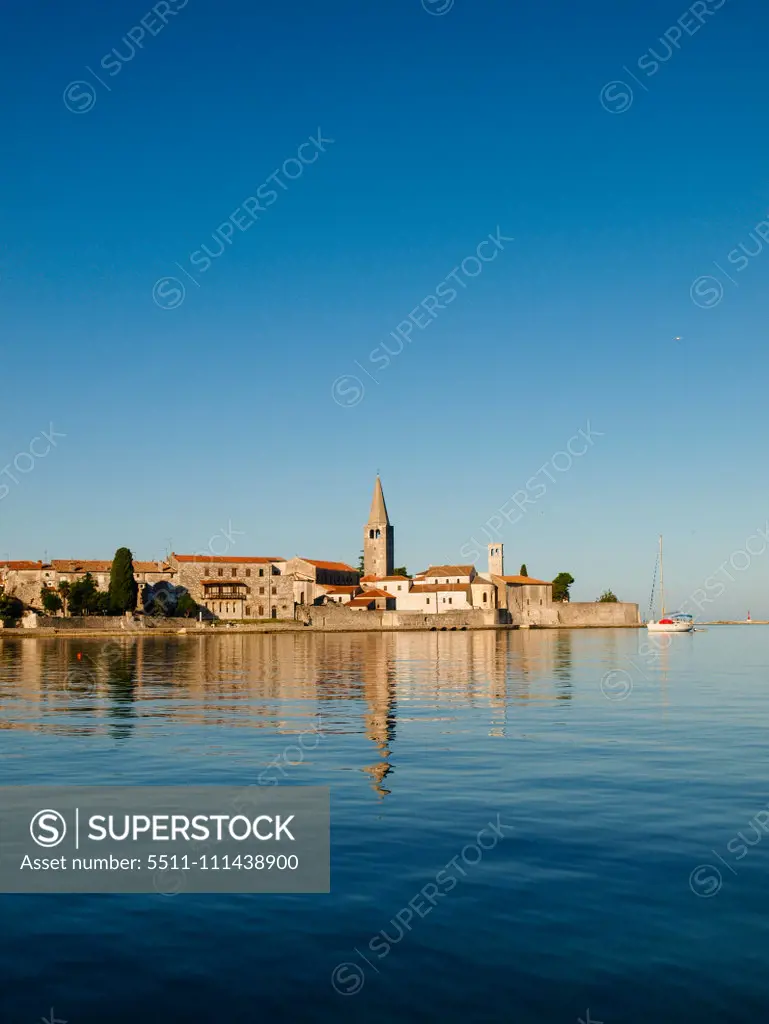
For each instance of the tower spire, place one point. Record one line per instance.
(378, 513)
(378, 537)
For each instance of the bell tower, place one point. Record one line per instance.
(496, 559)
(378, 537)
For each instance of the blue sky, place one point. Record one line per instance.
(220, 414)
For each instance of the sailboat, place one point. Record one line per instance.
(675, 623)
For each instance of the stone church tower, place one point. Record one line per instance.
(496, 560)
(378, 537)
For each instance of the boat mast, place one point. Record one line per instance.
(662, 581)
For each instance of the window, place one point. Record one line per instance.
(274, 590)
(261, 572)
(261, 610)
(261, 590)
(400, 587)
(234, 572)
(377, 534)
(485, 597)
(248, 573)
(248, 612)
(301, 598)
(220, 572)
(451, 600)
(371, 534)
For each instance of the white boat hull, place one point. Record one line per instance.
(670, 627)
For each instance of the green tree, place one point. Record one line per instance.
(50, 601)
(11, 609)
(608, 597)
(123, 588)
(64, 589)
(401, 571)
(524, 570)
(186, 606)
(83, 596)
(561, 585)
(361, 565)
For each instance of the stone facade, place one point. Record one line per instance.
(527, 601)
(25, 580)
(236, 588)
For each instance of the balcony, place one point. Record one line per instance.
(225, 592)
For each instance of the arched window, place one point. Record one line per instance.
(371, 534)
(377, 534)
(485, 597)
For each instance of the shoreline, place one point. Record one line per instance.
(50, 633)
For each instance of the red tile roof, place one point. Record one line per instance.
(360, 602)
(331, 566)
(342, 590)
(373, 592)
(525, 580)
(152, 567)
(21, 565)
(450, 570)
(229, 560)
(74, 565)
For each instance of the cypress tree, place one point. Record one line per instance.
(123, 588)
(524, 571)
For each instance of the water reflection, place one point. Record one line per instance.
(283, 683)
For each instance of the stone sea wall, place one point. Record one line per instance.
(597, 613)
(337, 617)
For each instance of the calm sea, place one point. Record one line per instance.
(593, 799)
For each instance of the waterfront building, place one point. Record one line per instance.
(240, 588)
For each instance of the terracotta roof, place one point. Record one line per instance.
(152, 567)
(332, 566)
(373, 592)
(360, 602)
(73, 565)
(342, 590)
(21, 565)
(450, 570)
(229, 560)
(436, 588)
(525, 580)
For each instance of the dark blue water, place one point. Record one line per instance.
(571, 787)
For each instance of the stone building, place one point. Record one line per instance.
(372, 600)
(528, 601)
(236, 587)
(23, 580)
(258, 587)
